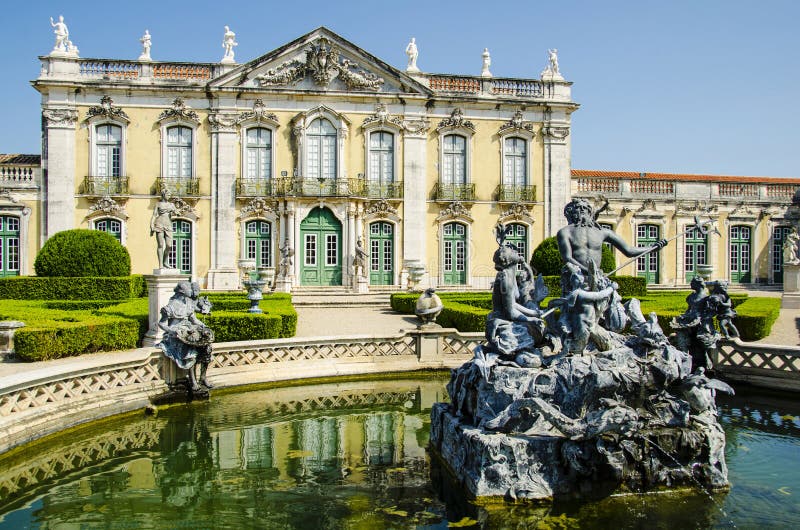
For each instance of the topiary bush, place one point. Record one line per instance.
(84, 288)
(80, 252)
(546, 258)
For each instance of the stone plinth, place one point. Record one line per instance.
(160, 288)
(7, 329)
(791, 286)
(284, 284)
(362, 285)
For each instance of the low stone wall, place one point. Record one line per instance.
(68, 392)
(770, 366)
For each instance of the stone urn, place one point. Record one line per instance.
(428, 307)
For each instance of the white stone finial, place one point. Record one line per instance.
(411, 51)
(487, 61)
(146, 43)
(63, 46)
(228, 42)
(551, 71)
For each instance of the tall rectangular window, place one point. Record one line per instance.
(454, 160)
(179, 152)
(381, 157)
(108, 146)
(515, 163)
(259, 153)
(321, 162)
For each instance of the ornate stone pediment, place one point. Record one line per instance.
(742, 210)
(382, 117)
(184, 208)
(106, 206)
(107, 109)
(516, 124)
(456, 120)
(258, 114)
(455, 210)
(179, 111)
(696, 206)
(258, 207)
(517, 212)
(381, 209)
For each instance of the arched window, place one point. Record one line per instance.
(180, 255)
(110, 226)
(515, 172)
(454, 160)
(108, 150)
(258, 242)
(259, 153)
(321, 136)
(9, 246)
(381, 158)
(179, 152)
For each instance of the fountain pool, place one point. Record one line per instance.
(351, 455)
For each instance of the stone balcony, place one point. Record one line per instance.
(20, 172)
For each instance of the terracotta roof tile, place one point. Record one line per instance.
(20, 160)
(683, 177)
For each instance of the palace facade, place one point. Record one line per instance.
(315, 145)
(318, 145)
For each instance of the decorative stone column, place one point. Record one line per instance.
(557, 174)
(59, 176)
(160, 288)
(223, 274)
(415, 138)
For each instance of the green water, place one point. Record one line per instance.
(351, 456)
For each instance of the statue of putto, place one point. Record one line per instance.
(228, 43)
(187, 340)
(413, 53)
(791, 248)
(586, 392)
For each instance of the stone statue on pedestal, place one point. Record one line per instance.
(360, 260)
(487, 61)
(62, 34)
(146, 44)
(228, 42)
(287, 262)
(161, 227)
(791, 248)
(187, 341)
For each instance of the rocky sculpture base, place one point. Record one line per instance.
(581, 426)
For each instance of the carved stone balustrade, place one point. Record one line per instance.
(19, 172)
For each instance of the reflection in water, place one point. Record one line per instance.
(350, 455)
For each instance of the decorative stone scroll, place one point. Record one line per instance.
(258, 207)
(180, 111)
(516, 123)
(456, 119)
(223, 121)
(556, 133)
(381, 208)
(106, 109)
(382, 117)
(517, 212)
(455, 210)
(323, 64)
(107, 206)
(60, 118)
(258, 114)
(416, 127)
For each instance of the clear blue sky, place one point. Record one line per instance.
(672, 86)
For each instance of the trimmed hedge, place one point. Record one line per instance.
(80, 253)
(467, 311)
(85, 288)
(55, 329)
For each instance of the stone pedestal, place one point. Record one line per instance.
(7, 329)
(791, 286)
(223, 279)
(362, 285)
(160, 288)
(284, 285)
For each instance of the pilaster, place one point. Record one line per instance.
(414, 194)
(557, 174)
(223, 274)
(59, 178)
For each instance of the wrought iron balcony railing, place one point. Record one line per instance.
(319, 187)
(514, 193)
(377, 190)
(105, 185)
(454, 192)
(255, 187)
(179, 187)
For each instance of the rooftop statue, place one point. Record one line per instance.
(146, 44)
(413, 53)
(228, 42)
(487, 62)
(62, 34)
(187, 340)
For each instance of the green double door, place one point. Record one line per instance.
(739, 253)
(381, 253)
(321, 249)
(454, 256)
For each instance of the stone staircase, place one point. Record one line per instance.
(306, 296)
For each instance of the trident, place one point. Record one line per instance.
(702, 227)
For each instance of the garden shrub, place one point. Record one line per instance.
(85, 288)
(546, 258)
(232, 326)
(756, 316)
(81, 252)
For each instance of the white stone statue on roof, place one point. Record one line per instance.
(413, 53)
(228, 42)
(551, 72)
(62, 34)
(146, 44)
(487, 61)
